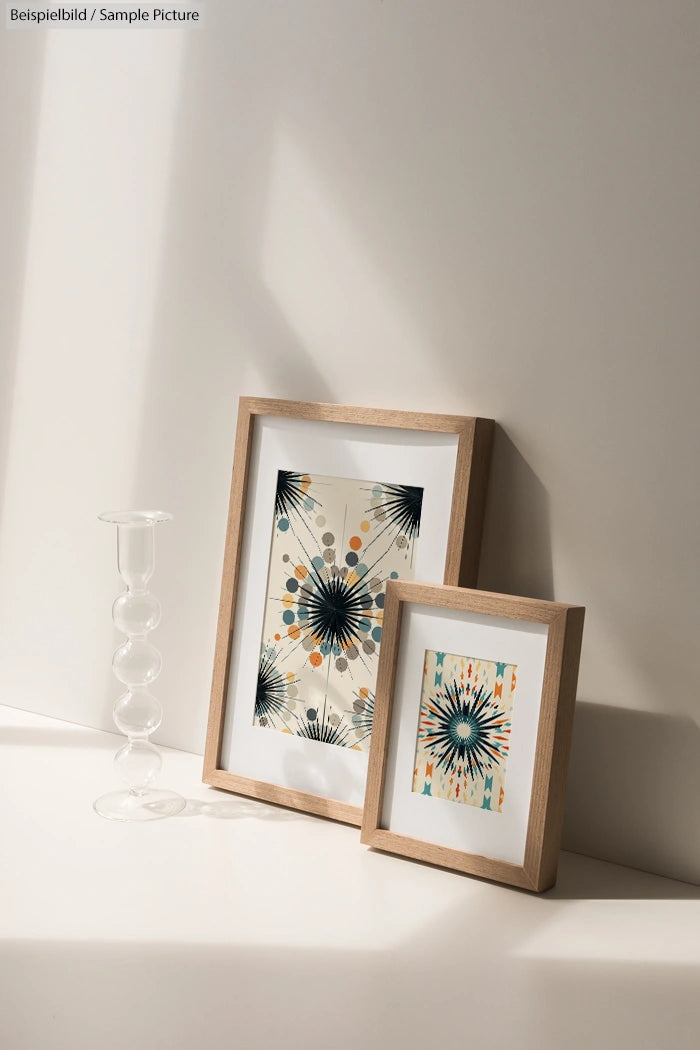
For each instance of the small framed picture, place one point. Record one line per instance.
(474, 711)
(328, 504)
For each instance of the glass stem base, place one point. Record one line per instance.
(153, 804)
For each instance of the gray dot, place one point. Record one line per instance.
(341, 664)
(379, 515)
(308, 643)
(359, 706)
(285, 557)
(329, 555)
(320, 521)
(292, 690)
(375, 584)
(368, 646)
(263, 720)
(401, 542)
(352, 653)
(327, 539)
(334, 719)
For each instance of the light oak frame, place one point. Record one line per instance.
(474, 445)
(565, 628)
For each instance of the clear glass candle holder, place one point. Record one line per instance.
(137, 663)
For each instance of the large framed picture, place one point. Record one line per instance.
(470, 747)
(328, 503)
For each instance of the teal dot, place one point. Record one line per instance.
(303, 614)
(317, 562)
(283, 524)
(394, 576)
(361, 569)
(288, 616)
(377, 491)
(325, 649)
(364, 625)
(309, 503)
(377, 634)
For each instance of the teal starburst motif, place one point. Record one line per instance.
(464, 728)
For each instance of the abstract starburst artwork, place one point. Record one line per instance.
(464, 729)
(335, 543)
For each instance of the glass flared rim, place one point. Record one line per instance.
(135, 517)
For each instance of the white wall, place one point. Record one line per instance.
(464, 207)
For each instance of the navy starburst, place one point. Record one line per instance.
(335, 610)
(326, 729)
(291, 494)
(270, 690)
(465, 728)
(402, 505)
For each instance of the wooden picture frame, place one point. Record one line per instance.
(446, 458)
(462, 665)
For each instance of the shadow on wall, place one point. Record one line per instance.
(586, 879)
(634, 789)
(618, 798)
(516, 550)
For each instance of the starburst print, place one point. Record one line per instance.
(460, 729)
(464, 729)
(335, 544)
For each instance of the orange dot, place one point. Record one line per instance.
(290, 676)
(301, 572)
(287, 600)
(277, 638)
(364, 692)
(293, 631)
(305, 482)
(315, 659)
(364, 525)
(355, 543)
